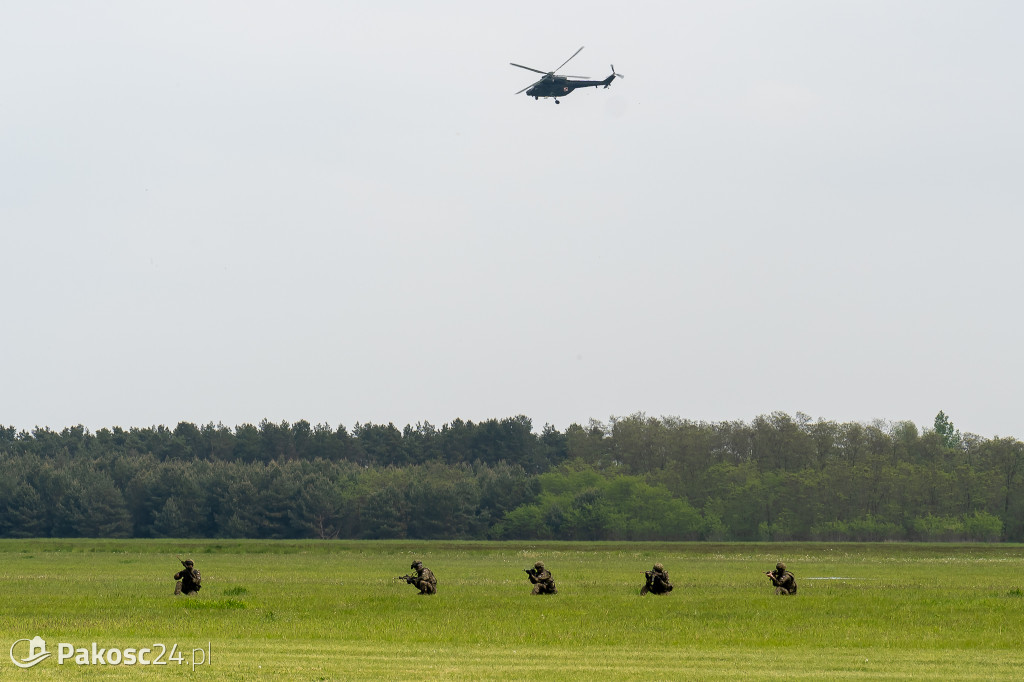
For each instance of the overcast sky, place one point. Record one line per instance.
(340, 212)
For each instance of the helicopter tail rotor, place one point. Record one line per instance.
(612, 77)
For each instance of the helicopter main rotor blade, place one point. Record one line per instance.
(529, 86)
(529, 69)
(569, 59)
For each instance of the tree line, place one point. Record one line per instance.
(778, 477)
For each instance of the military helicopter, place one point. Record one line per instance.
(554, 85)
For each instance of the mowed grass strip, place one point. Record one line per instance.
(332, 610)
(410, 662)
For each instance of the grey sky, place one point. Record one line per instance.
(339, 212)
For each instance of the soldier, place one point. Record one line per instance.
(188, 578)
(541, 578)
(783, 580)
(424, 579)
(657, 581)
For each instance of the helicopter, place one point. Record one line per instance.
(555, 85)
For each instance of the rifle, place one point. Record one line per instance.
(190, 571)
(407, 578)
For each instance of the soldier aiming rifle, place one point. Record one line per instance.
(543, 582)
(189, 579)
(784, 581)
(657, 581)
(424, 579)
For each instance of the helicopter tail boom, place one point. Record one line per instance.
(595, 84)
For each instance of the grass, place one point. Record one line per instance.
(331, 610)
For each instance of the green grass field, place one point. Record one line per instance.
(331, 610)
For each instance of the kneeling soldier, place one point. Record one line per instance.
(541, 578)
(424, 579)
(188, 578)
(657, 581)
(783, 580)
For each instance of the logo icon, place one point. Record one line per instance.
(36, 652)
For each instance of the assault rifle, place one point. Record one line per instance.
(407, 578)
(190, 570)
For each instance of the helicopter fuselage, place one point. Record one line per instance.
(554, 85)
(560, 86)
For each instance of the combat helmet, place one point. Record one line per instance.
(416, 564)
(659, 568)
(539, 565)
(189, 563)
(780, 567)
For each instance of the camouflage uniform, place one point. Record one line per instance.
(657, 581)
(424, 581)
(188, 579)
(542, 581)
(783, 580)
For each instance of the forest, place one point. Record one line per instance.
(778, 477)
